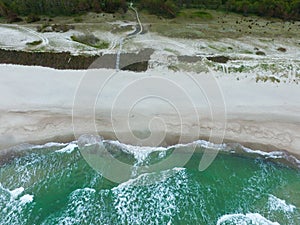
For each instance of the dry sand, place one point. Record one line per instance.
(36, 106)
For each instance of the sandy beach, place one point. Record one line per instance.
(250, 97)
(37, 103)
(149, 112)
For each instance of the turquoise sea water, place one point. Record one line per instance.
(53, 184)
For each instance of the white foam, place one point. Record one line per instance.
(276, 204)
(89, 189)
(161, 199)
(244, 219)
(16, 192)
(68, 149)
(67, 221)
(49, 145)
(207, 144)
(140, 153)
(144, 179)
(274, 154)
(26, 199)
(178, 169)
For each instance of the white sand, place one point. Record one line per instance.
(36, 106)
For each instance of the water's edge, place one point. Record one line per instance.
(267, 152)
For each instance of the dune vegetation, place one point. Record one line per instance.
(14, 9)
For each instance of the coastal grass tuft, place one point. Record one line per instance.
(173, 68)
(267, 78)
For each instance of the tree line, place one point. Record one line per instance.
(59, 7)
(284, 9)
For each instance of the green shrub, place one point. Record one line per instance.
(34, 43)
(202, 15)
(32, 18)
(90, 40)
(165, 8)
(260, 53)
(78, 19)
(284, 9)
(62, 7)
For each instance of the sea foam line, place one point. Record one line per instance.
(274, 155)
(142, 179)
(68, 149)
(276, 204)
(142, 152)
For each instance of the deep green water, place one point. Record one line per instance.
(43, 185)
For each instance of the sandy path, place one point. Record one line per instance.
(140, 30)
(36, 106)
(15, 29)
(45, 41)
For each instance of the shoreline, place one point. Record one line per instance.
(258, 115)
(245, 150)
(67, 136)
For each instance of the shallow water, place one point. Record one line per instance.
(53, 184)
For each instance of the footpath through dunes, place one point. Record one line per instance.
(65, 60)
(14, 36)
